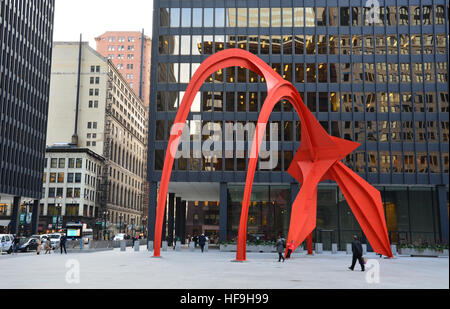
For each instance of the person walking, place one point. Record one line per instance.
(196, 238)
(357, 254)
(202, 242)
(291, 248)
(16, 243)
(48, 246)
(62, 243)
(281, 246)
(38, 248)
(175, 239)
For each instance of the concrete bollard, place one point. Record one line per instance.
(192, 247)
(334, 248)
(349, 249)
(394, 250)
(319, 248)
(178, 246)
(364, 249)
(137, 246)
(123, 245)
(150, 246)
(164, 246)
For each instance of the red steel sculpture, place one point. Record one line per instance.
(318, 159)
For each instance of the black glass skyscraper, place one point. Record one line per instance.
(26, 32)
(377, 76)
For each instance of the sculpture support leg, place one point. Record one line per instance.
(304, 210)
(310, 244)
(366, 204)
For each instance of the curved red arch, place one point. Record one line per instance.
(317, 159)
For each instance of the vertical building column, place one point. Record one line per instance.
(183, 222)
(178, 217)
(35, 218)
(14, 225)
(223, 212)
(442, 199)
(170, 220)
(153, 197)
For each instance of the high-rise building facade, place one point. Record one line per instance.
(377, 76)
(26, 34)
(92, 106)
(131, 53)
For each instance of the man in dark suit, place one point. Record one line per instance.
(202, 242)
(357, 253)
(62, 243)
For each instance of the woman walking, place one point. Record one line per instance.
(48, 246)
(38, 249)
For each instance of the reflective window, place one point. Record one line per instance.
(220, 17)
(442, 72)
(287, 17)
(440, 15)
(310, 17)
(441, 44)
(253, 17)
(299, 17)
(231, 17)
(416, 44)
(345, 16)
(392, 45)
(276, 17)
(415, 18)
(404, 44)
(208, 18)
(427, 14)
(186, 17)
(403, 15)
(369, 46)
(264, 17)
(242, 17)
(185, 45)
(164, 18)
(391, 16)
(174, 17)
(333, 16)
(321, 16)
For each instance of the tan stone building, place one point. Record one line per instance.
(93, 106)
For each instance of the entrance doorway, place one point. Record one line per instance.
(327, 238)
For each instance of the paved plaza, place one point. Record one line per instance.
(214, 270)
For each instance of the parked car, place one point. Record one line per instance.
(30, 245)
(6, 243)
(39, 236)
(119, 237)
(55, 240)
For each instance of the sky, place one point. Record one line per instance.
(92, 18)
